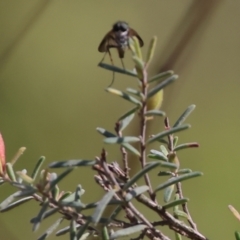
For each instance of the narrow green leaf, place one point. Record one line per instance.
(157, 155)
(141, 173)
(125, 121)
(10, 172)
(168, 132)
(161, 76)
(175, 203)
(161, 85)
(84, 236)
(174, 180)
(71, 163)
(175, 141)
(59, 178)
(155, 112)
(168, 193)
(127, 231)
(180, 213)
(105, 235)
(164, 173)
(83, 228)
(134, 91)
(184, 116)
(73, 230)
(183, 171)
(25, 177)
(164, 150)
(39, 217)
(102, 204)
(116, 211)
(128, 139)
(170, 165)
(105, 133)
(139, 63)
(135, 192)
(134, 40)
(69, 197)
(124, 96)
(237, 235)
(37, 167)
(186, 145)
(51, 229)
(125, 115)
(8, 200)
(65, 230)
(46, 214)
(178, 236)
(16, 203)
(117, 69)
(131, 149)
(151, 50)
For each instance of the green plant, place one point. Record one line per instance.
(121, 188)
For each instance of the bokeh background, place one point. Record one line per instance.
(52, 94)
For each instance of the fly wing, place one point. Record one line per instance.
(132, 33)
(108, 42)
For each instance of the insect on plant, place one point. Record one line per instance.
(118, 38)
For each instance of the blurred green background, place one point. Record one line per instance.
(52, 96)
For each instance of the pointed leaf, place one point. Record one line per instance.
(83, 228)
(124, 96)
(16, 203)
(37, 167)
(174, 180)
(46, 214)
(135, 192)
(127, 231)
(168, 193)
(102, 205)
(105, 133)
(10, 171)
(71, 163)
(161, 76)
(184, 116)
(51, 229)
(131, 149)
(128, 139)
(151, 50)
(125, 115)
(175, 203)
(161, 85)
(39, 217)
(168, 132)
(116, 69)
(59, 178)
(9, 199)
(141, 173)
(125, 121)
(65, 230)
